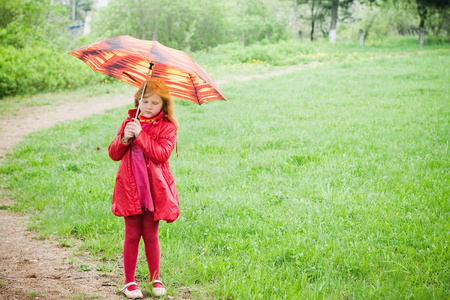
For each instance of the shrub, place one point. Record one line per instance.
(40, 69)
(282, 53)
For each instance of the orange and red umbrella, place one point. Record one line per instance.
(129, 59)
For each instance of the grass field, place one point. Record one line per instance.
(328, 183)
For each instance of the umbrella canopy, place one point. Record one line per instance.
(128, 59)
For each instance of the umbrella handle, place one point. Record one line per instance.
(150, 69)
(140, 100)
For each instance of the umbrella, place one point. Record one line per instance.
(133, 60)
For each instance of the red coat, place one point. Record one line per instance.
(157, 145)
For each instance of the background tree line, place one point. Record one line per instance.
(196, 25)
(35, 36)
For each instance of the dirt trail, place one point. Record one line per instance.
(38, 117)
(31, 268)
(40, 269)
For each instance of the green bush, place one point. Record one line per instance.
(437, 39)
(39, 69)
(275, 54)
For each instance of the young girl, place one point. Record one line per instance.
(145, 190)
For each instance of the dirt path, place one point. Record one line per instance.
(37, 117)
(41, 269)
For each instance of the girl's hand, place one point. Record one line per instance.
(127, 135)
(133, 129)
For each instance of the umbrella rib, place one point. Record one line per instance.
(195, 89)
(104, 62)
(129, 76)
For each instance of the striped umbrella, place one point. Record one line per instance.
(129, 59)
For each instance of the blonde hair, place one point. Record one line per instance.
(157, 86)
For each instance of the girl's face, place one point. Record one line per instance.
(151, 106)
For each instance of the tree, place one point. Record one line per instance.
(254, 20)
(324, 13)
(34, 40)
(333, 7)
(24, 23)
(294, 24)
(334, 16)
(182, 24)
(316, 15)
(423, 8)
(78, 8)
(439, 21)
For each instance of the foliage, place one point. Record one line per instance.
(188, 24)
(393, 19)
(40, 69)
(437, 10)
(177, 24)
(380, 22)
(254, 20)
(34, 41)
(281, 53)
(439, 22)
(78, 9)
(294, 52)
(28, 23)
(329, 182)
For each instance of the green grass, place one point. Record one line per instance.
(327, 183)
(226, 61)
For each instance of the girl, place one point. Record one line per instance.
(145, 190)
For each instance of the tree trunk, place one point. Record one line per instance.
(368, 27)
(74, 10)
(87, 23)
(294, 24)
(422, 9)
(155, 30)
(361, 37)
(243, 40)
(334, 16)
(324, 32)
(421, 35)
(313, 17)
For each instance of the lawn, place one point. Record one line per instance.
(328, 183)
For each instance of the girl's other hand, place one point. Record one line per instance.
(127, 134)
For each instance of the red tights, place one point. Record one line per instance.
(138, 226)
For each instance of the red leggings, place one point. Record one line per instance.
(135, 227)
